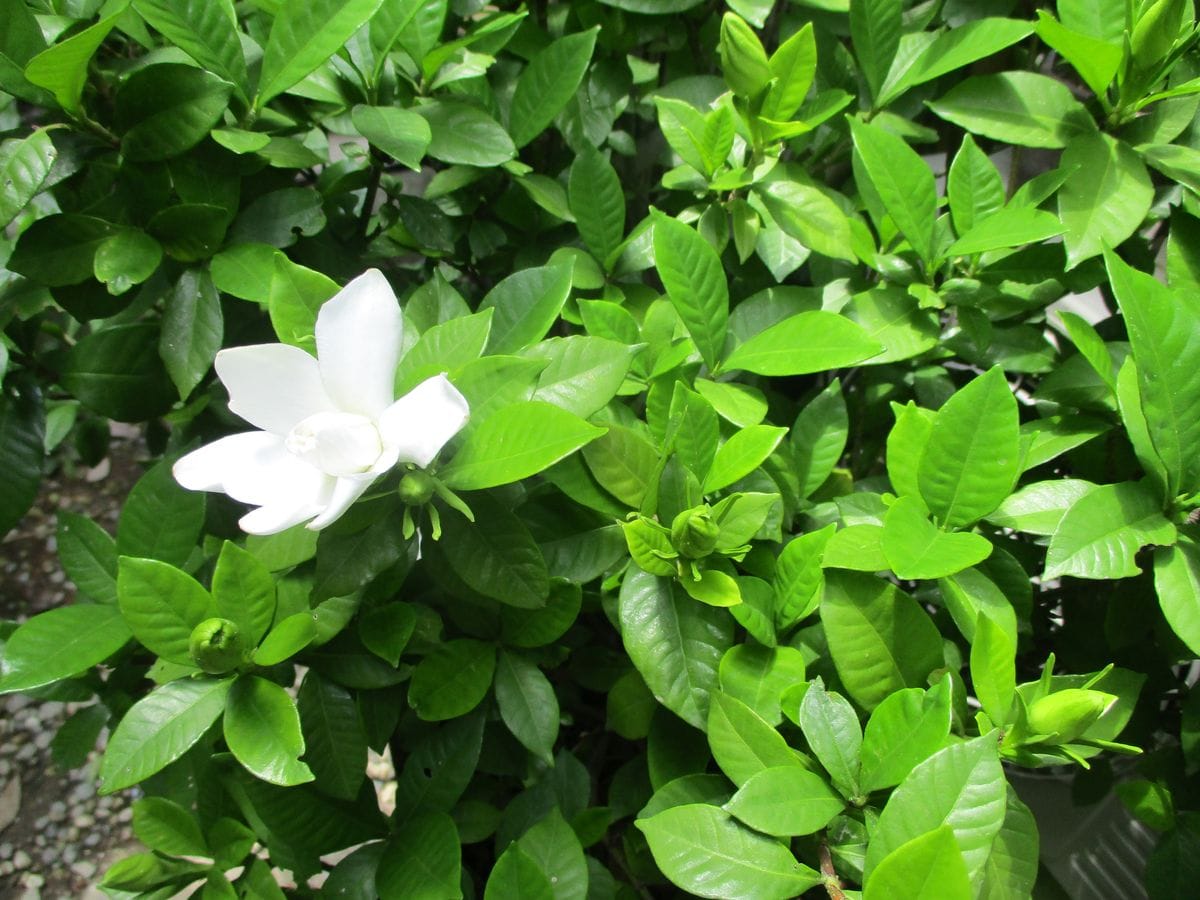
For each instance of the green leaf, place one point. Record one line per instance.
(1023, 108)
(813, 341)
(22, 442)
(295, 296)
(524, 306)
(875, 32)
(715, 588)
(806, 213)
(1092, 347)
(785, 801)
(452, 680)
(1012, 865)
(597, 202)
(88, 555)
(517, 441)
(243, 592)
(744, 452)
(160, 520)
(305, 35)
(888, 315)
(909, 726)
(961, 786)
(20, 40)
(972, 456)
(63, 68)
(445, 347)
(1100, 534)
(334, 741)
(583, 373)
(527, 704)
(1105, 20)
(290, 635)
(739, 404)
(702, 140)
(421, 861)
(793, 67)
(703, 850)
(206, 30)
(903, 181)
(675, 643)
(1105, 198)
(1012, 226)
(60, 643)
(916, 549)
(742, 742)
(59, 249)
(166, 109)
(117, 373)
(262, 729)
(461, 134)
(831, 728)
(160, 728)
(162, 605)
(24, 166)
(880, 639)
(959, 47)
(548, 83)
(1177, 583)
(624, 463)
(799, 576)
(1038, 508)
(1164, 333)
(974, 185)
(993, 669)
(692, 274)
(386, 630)
(1095, 60)
(928, 867)
(400, 133)
(758, 676)
(126, 258)
(553, 845)
(167, 827)
(192, 330)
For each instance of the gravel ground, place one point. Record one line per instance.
(56, 835)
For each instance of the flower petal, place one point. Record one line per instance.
(272, 386)
(345, 492)
(421, 422)
(359, 334)
(207, 468)
(276, 518)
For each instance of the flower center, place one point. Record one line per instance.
(337, 443)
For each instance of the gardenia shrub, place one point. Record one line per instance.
(655, 422)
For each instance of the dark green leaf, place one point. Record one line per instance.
(547, 83)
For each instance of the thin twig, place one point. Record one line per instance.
(833, 884)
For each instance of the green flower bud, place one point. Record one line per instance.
(416, 488)
(1067, 714)
(694, 533)
(216, 646)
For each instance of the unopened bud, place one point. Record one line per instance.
(1065, 715)
(416, 488)
(216, 646)
(694, 533)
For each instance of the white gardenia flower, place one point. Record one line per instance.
(330, 425)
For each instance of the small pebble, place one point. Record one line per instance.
(21, 860)
(85, 868)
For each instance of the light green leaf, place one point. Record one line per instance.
(703, 850)
(1095, 60)
(916, 549)
(675, 643)
(206, 30)
(554, 846)
(813, 341)
(744, 452)
(889, 316)
(1012, 864)
(295, 297)
(192, 330)
(303, 36)
(858, 547)
(875, 33)
(162, 605)
(742, 742)
(1105, 198)
(517, 875)
(793, 65)
(517, 441)
(695, 281)
(716, 589)
(89, 556)
(959, 47)
(903, 181)
(974, 185)
(972, 456)
(60, 643)
(831, 728)
(928, 867)
(160, 520)
(24, 166)
(807, 214)
(1013, 226)
(758, 676)
(167, 827)
(909, 726)
(462, 134)
(598, 203)
(1164, 332)
(62, 69)
(1103, 530)
(548, 83)
(1024, 108)
(446, 347)
(1039, 507)
(400, 133)
(584, 373)
(799, 576)
(784, 801)
(290, 635)
(905, 446)
(524, 306)
(262, 729)
(160, 728)
(961, 786)
(126, 258)
(1177, 583)
(819, 436)
(881, 640)
(993, 668)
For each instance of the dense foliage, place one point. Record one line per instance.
(792, 511)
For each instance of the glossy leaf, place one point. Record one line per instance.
(909, 726)
(785, 801)
(813, 341)
(60, 643)
(262, 728)
(547, 83)
(929, 866)
(695, 282)
(452, 680)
